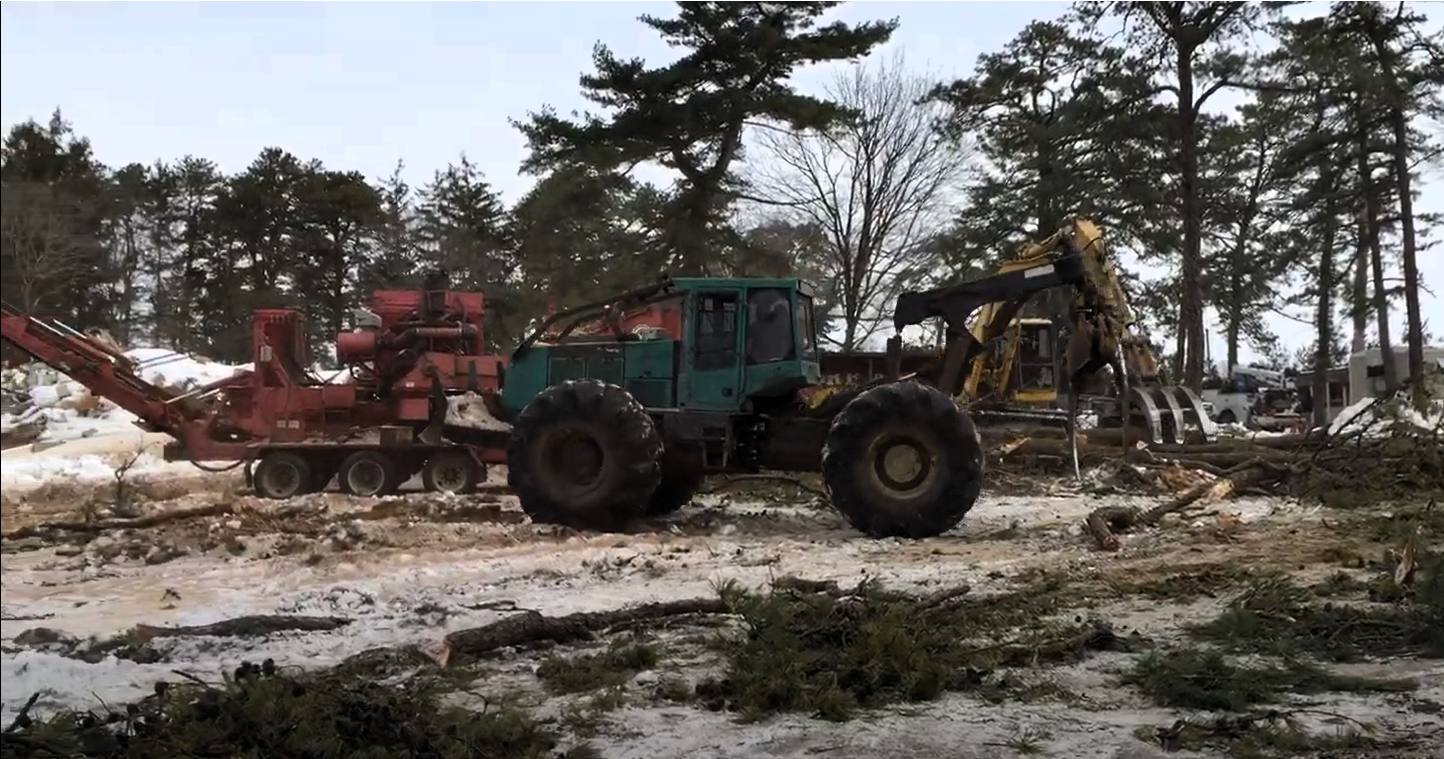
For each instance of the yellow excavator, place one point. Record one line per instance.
(1007, 369)
(1021, 370)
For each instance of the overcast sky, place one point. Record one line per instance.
(361, 85)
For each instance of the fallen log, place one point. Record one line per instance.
(1219, 458)
(48, 529)
(1103, 523)
(1112, 437)
(241, 627)
(530, 627)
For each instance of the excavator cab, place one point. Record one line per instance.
(1038, 362)
(1022, 368)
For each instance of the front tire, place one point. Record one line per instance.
(903, 460)
(584, 454)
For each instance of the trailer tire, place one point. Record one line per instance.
(369, 474)
(675, 491)
(450, 472)
(584, 454)
(924, 491)
(281, 475)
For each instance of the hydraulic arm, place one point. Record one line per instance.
(107, 372)
(1102, 331)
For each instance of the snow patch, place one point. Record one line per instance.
(1377, 417)
(469, 410)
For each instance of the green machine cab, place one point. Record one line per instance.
(745, 343)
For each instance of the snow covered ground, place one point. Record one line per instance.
(83, 438)
(424, 569)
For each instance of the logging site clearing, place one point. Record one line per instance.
(1252, 597)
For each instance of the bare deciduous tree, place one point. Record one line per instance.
(42, 253)
(879, 187)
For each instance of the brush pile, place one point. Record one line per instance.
(262, 711)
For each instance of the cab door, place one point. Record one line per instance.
(714, 379)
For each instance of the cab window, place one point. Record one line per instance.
(716, 331)
(769, 326)
(806, 327)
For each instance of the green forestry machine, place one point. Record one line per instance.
(616, 425)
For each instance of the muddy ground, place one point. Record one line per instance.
(410, 570)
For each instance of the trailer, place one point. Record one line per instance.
(420, 400)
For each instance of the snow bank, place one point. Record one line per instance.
(79, 437)
(57, 465)
(39, 396)
(177, 370)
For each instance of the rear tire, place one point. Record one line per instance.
(903, 460)
(584, 454)
(450, 472)
(369, 474)
(281, 475)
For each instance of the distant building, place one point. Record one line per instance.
(1362, 376)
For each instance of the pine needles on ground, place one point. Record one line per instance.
(830, 654)
(270, 715)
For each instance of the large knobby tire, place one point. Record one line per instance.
(584, 454)
(903, 460)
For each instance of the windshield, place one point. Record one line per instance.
(806, 335)
(769, 334)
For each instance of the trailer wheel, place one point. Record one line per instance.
(450, 472)
(282, 475)
(676, 489)
(584, 454)
(369, 473)
(903, 460)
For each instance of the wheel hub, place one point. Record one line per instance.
(450, 477)
(577, 460)
(365, 478)
(902, 465)
(282, 479)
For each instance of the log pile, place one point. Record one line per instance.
(1369, 464)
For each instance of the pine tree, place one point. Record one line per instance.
(691, 116)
